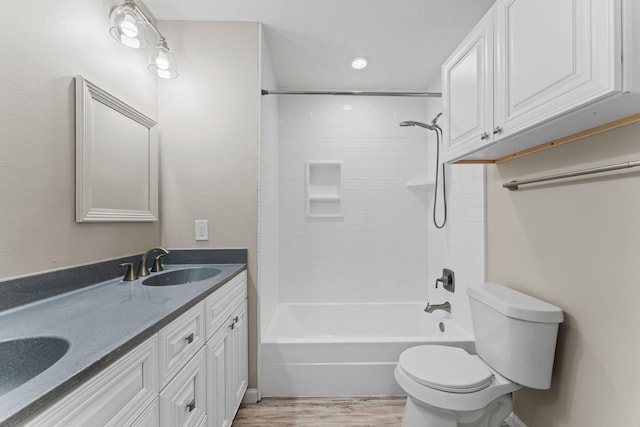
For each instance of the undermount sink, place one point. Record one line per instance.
(23, 359)
(182, 277)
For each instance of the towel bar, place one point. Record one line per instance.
(514, 185)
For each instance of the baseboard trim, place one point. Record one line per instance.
(251, 396)
(513, 421)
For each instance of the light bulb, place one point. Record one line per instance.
(128, 26)
(359, 63)
(162, 62)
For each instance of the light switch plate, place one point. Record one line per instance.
(202, 229)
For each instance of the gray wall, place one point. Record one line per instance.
(44, 45)
(209, 143)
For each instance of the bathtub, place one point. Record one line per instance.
(347, 349)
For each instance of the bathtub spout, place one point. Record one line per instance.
(444, 306)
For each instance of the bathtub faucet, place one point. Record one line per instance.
(430, 308)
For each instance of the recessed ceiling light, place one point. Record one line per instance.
(359, 63)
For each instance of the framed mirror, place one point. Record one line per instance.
(116, 159)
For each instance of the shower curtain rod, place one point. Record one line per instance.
(514, 185)
(349, 93)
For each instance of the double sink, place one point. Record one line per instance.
(25, 358)
(35, 355)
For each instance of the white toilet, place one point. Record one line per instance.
(515, 338)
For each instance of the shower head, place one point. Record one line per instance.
(422, 125)
(432, 126)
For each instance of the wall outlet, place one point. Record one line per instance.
(202, 229)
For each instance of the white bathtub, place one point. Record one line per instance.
(346, 349)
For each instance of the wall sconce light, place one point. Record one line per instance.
(130, 26)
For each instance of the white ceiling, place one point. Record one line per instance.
(312, 42)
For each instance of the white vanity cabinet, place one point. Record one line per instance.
(124, 394)
(192, 373)
(535, 70)
(227, 352)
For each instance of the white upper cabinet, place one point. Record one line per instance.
(555, 68)
(468, 82)
(553, 56)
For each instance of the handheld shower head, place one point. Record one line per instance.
(412, 123)
(438, 130)
(432, 126)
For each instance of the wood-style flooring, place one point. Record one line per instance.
(322, 412)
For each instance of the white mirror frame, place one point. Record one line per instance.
(87, 94)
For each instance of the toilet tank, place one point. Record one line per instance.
(515, 333)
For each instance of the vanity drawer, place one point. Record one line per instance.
(179, 341)
(149, 418)
(122, 392)
(223, 302)
(183, 401)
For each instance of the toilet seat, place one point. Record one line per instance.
(444, 368)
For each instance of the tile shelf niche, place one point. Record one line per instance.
(323, 183)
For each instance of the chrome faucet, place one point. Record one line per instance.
(142, 267)
(430, 308)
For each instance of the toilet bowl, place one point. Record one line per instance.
(454, 388)
(515, 337)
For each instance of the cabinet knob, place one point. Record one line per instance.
(484, 136)
(235, 319)
(497, 130)
(232, 325)
(189, 338)
(191, 405)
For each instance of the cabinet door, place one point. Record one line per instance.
(183, 401)
(553, 56)
(239, 358)
(221, 303)
(467, 88)
(218, 354)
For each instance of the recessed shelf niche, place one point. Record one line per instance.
(323, 188)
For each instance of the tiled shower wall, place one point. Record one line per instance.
(460, 246)
(268, 195)
(378, 251)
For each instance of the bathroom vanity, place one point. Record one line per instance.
(169, 352)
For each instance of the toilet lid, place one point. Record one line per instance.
(444, 368)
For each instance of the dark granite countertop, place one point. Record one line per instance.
(101, 322)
